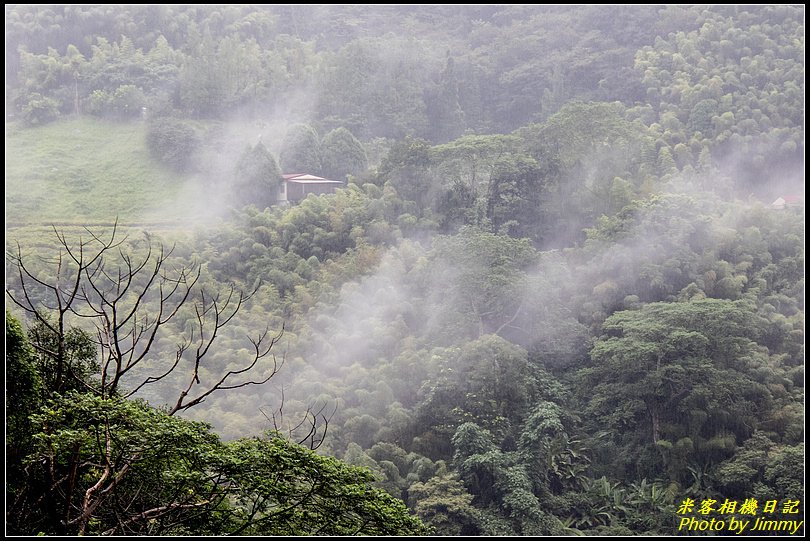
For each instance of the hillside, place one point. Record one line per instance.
(87, 171)
(551, 298)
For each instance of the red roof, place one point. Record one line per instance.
(793, 198)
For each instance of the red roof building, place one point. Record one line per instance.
(298, 186)
(787, 201)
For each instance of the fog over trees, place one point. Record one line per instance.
(404, 270)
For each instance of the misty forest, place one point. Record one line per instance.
(403, 270)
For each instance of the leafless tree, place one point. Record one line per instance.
(309, 429)
(130, 299)
(130, 292)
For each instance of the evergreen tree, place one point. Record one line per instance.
(301, 151)
(342, 155)
(258, 178)
(443, 110)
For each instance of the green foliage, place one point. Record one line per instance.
(457, 208)
(555, 461)
(301, 151)
(499, 389)
(485, 276)
(24, 383)
(764, 468)
(180, 479)
(126, 102)
(374, 86)
(291, 490)
(662, 372)
(517, 198)
(258, 178)
(579, 130)
(610, 508)
(487, 383)
(343, 155)
(77, 435)
(499, 478)
(444, 505)
(466, 167)
(172, 142)
(442, 106)
(733, 83)
(23, 395)
(66, 362)
(700, 117)
(408, 168)
(40, 110)
(666, 164)
(582, 149)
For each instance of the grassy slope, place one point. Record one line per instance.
(89, 172)
(83, 171)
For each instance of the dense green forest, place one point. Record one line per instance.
(556, 295)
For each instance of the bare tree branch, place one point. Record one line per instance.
(153, 513)
(260, 352)
(316, 422)
(130, 294)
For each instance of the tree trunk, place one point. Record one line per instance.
(76, 94)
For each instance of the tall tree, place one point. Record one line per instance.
(301, 151)
(671, 380)
(258, 178)
(408, 168)
(485, 277)
(442, 107)
(517, 202)
(342, 154)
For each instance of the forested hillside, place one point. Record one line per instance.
(560, 292)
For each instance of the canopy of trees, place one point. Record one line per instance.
(552, 297)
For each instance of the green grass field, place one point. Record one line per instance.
(82, 170)
(87, 172)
